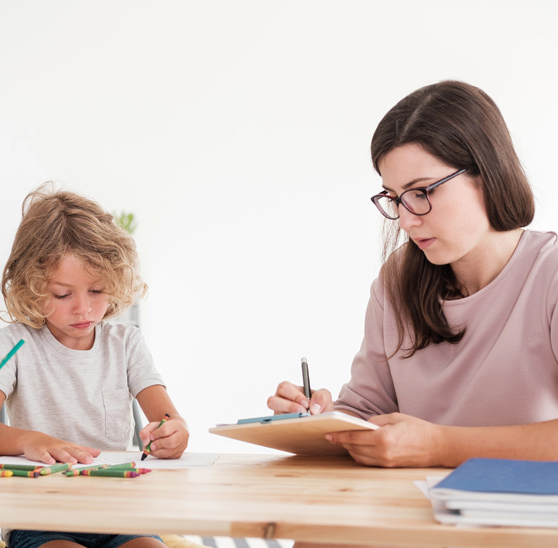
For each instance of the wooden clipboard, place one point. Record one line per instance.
(302, 435)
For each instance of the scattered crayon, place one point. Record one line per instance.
(6, 473)
(81, 471)
(111, 473)
(26, 474)
(147, 450)
(72, 473)
(44, 470)
(121, 466)
(28, 467)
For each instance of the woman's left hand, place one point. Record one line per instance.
(402, 441)
(169, 440)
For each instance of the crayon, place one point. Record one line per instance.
(111, 473)
(71, 473)
(44, 470)
(27, 467)
(26, 474)
(11, 353)
(81, 471)
(6, 473)
(147, 450)
(121, 466)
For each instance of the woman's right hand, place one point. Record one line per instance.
(290, 398)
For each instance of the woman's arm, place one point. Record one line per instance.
(405, 441)
(171, 439)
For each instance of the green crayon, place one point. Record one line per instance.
(147, 449)
(82, 471)
(111, 473)
(71, 473)
(121, 466)
(26, 474)
(44, 470)
(28, 467)
(11, 353)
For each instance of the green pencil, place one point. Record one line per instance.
(11, 353)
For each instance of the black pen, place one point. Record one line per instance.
(306, 379)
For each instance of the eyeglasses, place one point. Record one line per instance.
(414, 200)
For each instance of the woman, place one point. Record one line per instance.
(459, 357)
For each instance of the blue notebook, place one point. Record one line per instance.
(518, 477)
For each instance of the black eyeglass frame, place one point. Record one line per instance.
(399, 201)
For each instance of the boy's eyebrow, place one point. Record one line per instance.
(63, 284)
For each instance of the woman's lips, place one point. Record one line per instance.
(424, 243)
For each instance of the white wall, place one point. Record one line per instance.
(238, 133)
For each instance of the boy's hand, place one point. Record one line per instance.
(169, 440)
(44, 448)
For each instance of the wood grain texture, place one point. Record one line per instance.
(328, 499)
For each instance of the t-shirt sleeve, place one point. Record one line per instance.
(552, 312)
(8, 373)
(142, 372)
(370, 390)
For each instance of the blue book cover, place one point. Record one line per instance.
(518, 477)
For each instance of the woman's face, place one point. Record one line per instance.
(456, 231)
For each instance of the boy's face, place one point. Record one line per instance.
(76, 303)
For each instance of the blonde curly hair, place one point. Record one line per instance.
(57, 224)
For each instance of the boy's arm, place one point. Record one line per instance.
(41, 447)
(171, 439)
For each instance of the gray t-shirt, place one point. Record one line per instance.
(81, 396)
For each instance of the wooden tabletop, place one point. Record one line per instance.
(329, 499)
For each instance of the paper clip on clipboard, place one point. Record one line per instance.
(272, 418)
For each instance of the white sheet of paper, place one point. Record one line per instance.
(188, 460)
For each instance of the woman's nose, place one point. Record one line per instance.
(407, 220)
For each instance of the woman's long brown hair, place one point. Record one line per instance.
(460, 125)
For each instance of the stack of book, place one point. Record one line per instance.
(498, 492)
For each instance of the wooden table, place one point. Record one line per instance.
(330, 499)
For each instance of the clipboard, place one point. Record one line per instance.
(298, 433)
